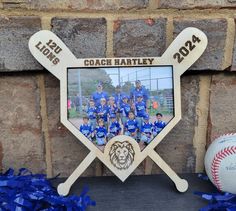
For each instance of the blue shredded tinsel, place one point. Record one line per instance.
(218, 201)
(26, 191)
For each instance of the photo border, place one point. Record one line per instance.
(112, 66)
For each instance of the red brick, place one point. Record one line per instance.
(85, 37)
(146, 37)
(216, 31)
(76, 5)
(186, 4)
(21, 137)
(130, 4)
(222, 116)
(14, 37)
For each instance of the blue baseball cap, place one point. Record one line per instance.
(99, 84)
(146, 117)
(139, 95)
(125, 97)
(112, 116)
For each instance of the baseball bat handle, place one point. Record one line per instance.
(181, 184)
(64, 188)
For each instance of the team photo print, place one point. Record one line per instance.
(106, 102)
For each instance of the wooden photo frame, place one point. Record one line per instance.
(121, 153)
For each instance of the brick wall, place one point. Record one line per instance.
(31, 133)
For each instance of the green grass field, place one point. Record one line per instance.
(152, 112)
(73, 113)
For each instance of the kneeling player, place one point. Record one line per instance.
(131, 126)
(114, 128)
(86, 128)
(158, 124)
(147, 130)
(100, 133)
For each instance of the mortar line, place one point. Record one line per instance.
(43, 112)
(46, 22)
(134, 14)
(169, 31)
(153, 4)
(109, 40)
(229, 44)
(202, 112)
(209, 120)
(98, 168)
(148, 166)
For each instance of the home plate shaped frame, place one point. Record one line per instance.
(55, 56)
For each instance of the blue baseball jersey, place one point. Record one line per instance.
(142, 91)
(86, 129)
(112, 110)
(103, 110)
(98, 96)
(158, 126)
(118, 98)
(92, 112)
(140, 109)
(131, 125)
(115, 128)
(147, 128)
(125, 109)
(101, 132)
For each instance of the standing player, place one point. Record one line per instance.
(102, 111)
(139, 90)
(125, 109)
(118, 96)
(131, 126)
(86, 128)
(158, 124)
(92, 113)
(112, 108)
(140, 111)
(99, 94)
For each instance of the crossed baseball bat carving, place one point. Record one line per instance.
(55, 56)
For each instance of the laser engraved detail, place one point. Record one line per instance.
(122, 154)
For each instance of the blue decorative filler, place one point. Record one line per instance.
(27, 191)
(218, 201)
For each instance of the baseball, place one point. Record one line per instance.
(220, 163)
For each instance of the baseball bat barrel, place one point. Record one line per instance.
(51, 52)
(186, 48)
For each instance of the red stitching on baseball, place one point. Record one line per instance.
(216, 164)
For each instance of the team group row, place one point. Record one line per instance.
(140, 128)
